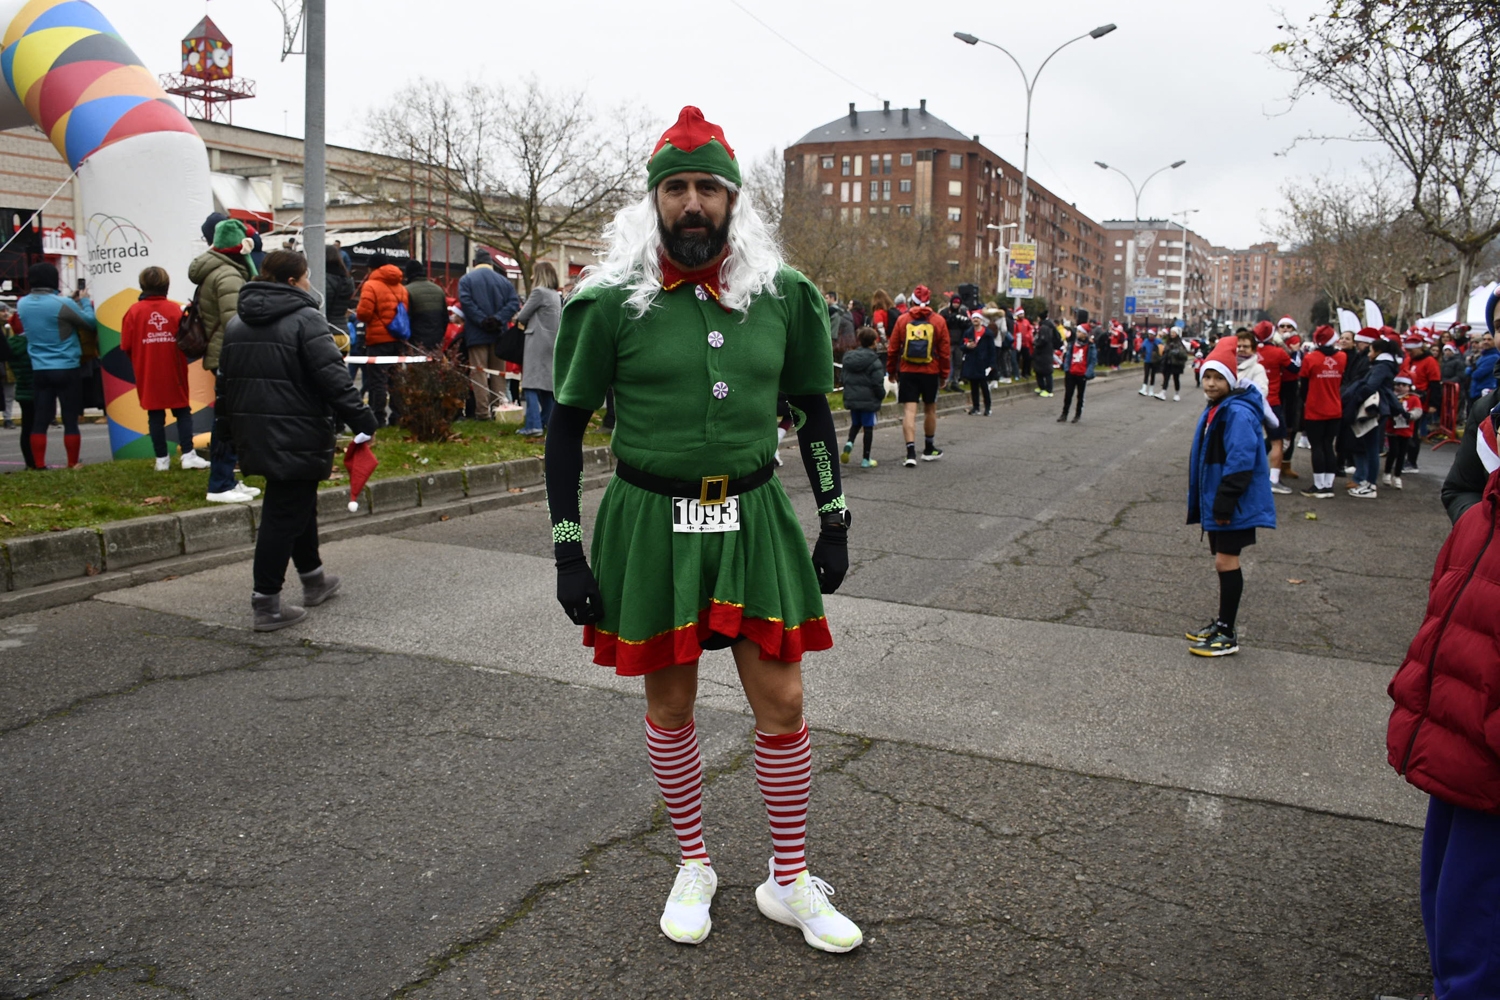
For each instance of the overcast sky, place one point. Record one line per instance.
(1180, 79)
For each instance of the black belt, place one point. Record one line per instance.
(710, 490)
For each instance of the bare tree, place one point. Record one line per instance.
(1364, 240)
(520, 169)
(1421, 77)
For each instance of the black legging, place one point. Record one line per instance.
(976, 386)
(50, 387)
(1175, 375)
(854, 430)
(288, 530)
(156, 424)
(1044, 379)
(1070, 383)
(1321, 434)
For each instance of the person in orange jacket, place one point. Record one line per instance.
(384, 289)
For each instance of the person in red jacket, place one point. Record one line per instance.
(1323, 408)
(382, 292)
(1444, 738)
(922, 365)
(1277, 362)
(1427, 382)
(1399, 428)
(1025, 338)
(148, 336)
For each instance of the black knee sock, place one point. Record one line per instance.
(911, 449)
(928, 439)
(1231, 586)
(853, 432)
(869, 436)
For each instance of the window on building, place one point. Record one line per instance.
(956, 161)
(955, 215)
(953, 266)
(827, 163)
(885, 190)
(858, 190)
(1119, 256)
(859, 166)
(844, 191)
(886, 161)
(843, 215)
(954, 240)
(903, 209)
(874, 190)
(1119, 243)
(885, 210)
(857, 213)
(828, 213)
(828, 187)
(845, 168)
(956, 188)
(906, 159)
(906, 185)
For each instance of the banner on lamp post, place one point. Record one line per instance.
(1021, 270)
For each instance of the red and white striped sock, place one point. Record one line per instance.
(678, 768)
(783, 770)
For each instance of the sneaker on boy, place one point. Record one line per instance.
(1221, 642)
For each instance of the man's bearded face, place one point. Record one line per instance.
(693, 241)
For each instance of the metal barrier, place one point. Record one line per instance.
(1447, 429)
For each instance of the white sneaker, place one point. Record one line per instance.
(1386, 479)
(1396, 481)
(249, 491)
(1145, 391)
(1280, 488)
(192, 460)
(164, 463)
(804, 904)
(1303, 442)
(1366, 491)
(1176, 397)
(230, 496)
(1162, 395)
(685, 918)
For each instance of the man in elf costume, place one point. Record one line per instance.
(697, 325)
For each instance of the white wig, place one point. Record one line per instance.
(633, 260)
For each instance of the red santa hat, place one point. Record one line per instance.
(1223, 360)
(1324, 335)
(921, 294)
(1263, 330)
(1403, 379)
(1286, 321)
(1367, 336)
(1413, 341)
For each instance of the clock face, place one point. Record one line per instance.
(221, 58)
(195, 59)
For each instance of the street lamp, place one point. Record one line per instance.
(1130, 275)
(1004, 252)
(969, 39)
(1182, 290)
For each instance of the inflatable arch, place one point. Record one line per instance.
(142, 174)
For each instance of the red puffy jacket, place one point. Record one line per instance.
(1444, 733)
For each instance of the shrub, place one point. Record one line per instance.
(433, 394)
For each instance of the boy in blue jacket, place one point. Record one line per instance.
(1229, 488)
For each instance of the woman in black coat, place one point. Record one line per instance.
(980, 359)
(282, 384)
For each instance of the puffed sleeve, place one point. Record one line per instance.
(584, 357)
(808, 366)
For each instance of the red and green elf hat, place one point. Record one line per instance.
(692, 144)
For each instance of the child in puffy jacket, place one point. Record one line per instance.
(1229, 488)
(864, 392)
(1399, 427)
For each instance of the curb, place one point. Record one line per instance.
(45, 571)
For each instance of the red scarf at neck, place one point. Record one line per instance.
(705, 277)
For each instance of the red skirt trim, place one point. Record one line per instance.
(633, 658)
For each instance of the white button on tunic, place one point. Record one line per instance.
(721, 389)
(715, 339)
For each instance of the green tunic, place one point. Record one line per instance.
(695, 395)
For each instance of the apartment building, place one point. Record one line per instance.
(1150, 264)
(1247, 283)
(869, 165)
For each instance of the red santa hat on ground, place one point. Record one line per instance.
(1222, 359)
(1325, 335)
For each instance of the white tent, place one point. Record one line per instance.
(1446, 318)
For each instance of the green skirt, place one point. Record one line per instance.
(667, 593)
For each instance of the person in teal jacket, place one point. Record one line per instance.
(1229, 488)
(54, 324)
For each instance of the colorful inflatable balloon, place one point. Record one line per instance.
(142, 172)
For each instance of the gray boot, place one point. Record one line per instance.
(317, 587)
(271, 614)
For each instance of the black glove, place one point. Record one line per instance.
(491, 324)
(830, 555)
(577, 590)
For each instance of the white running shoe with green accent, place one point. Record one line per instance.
(685, 918)
(804, 904)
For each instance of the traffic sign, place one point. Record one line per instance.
(1130, 305)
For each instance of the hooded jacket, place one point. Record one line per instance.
(979, 359)
(282, 380)
(1444, 731)
(1483, 378)
(942, 362)
(864, 379)
(219, 277)
(383, 290)
(1228, 473)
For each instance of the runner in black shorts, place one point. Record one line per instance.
(918, 354)
(917, 387)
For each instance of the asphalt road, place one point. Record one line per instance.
(1025, 786)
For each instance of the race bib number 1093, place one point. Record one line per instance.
(688, 515)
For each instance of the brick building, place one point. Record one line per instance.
(907, 161)
(1246, 283)
(1163, 260)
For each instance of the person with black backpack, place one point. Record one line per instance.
(1045, 343)
(920, 354)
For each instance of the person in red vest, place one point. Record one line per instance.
(1277, 362)
(1323, 408)
(148, 336)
